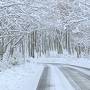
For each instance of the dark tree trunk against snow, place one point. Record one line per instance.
(32, 45)
(35, 38)
(29, 53)
(60, 50)
(11, 49)
(69, 45)
(88, 50)
(72, 49)
(23, 48)
(78, 50)
(66, 37)
(1, 48)
(20, 47)
(67, 41)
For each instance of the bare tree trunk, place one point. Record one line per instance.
(60, 50)
(69, 45)
(32, 45)
(23, 49)
(29, 45)
(1, 48)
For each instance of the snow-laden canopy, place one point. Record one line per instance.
(29, 15)
(67, 18)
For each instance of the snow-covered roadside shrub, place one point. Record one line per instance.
(14, 61)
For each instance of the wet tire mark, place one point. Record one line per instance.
(82, 81)
(44, 82)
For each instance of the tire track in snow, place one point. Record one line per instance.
(78, 79)
(53, 79)
(44, 82)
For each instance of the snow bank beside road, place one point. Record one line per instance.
(82, 62)
(23, 77)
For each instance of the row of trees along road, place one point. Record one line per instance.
(35, 28)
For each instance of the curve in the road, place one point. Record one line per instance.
(82, 80)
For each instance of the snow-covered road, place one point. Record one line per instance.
(78, 79)
(64, 77)
(35, 76)
(53, 79)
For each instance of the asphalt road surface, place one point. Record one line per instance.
(44, 82)
(77, 79)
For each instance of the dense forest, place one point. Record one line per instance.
(32, 28)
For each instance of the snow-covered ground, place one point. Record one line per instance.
(82, 62)
(27, 76)
(23, 77)
(63, 59)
